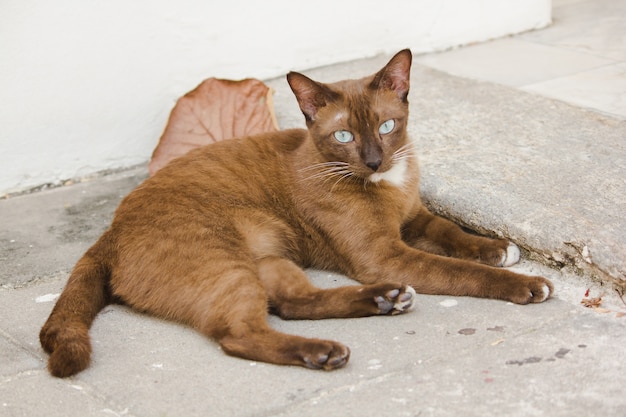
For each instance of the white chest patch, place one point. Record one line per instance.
(396, 175)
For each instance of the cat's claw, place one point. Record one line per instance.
(511, 256)
(396, 301)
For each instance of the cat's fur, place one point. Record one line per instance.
(219, 237)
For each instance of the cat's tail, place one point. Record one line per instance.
(65, 336)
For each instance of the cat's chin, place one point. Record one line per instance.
(396, 175)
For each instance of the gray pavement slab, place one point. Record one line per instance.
(487, 156)
(44, 233)
(24, 395)
(451, 356)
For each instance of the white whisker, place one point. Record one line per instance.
(347, 174)
(404, 152)
(324, 165)
(326, 171)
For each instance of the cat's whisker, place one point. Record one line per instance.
(341, 174)
(408, 147)
(398, 158)
(323, 176)
(347, 174)
(323, 165)
(407, 151)
(326, 171)
(330, 172)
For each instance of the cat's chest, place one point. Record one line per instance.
(394, 197)
(398, 189)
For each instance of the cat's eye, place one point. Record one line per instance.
(343, 136)
(387, 127)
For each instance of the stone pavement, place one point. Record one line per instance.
(548, 175)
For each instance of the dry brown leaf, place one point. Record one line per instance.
(215, 110)
(601, 310)
(591, 302)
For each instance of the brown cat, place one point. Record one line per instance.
(220, 236)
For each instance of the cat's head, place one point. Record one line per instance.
(359, 126)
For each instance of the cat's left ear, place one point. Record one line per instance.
(395, 75)
(311, 95)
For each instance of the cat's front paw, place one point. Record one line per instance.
(526, 290)
(396, 301)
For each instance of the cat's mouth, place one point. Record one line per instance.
(396, 175)
(399, 172)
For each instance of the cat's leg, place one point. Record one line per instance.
(274, 347)
(292, 296)
(231, 308)
(247, 335)
(432, 274)
(437, 235)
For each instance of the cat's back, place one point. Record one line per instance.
(229, 160)
(235, 172)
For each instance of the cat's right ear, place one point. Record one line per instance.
(395, 75)
(311, 95)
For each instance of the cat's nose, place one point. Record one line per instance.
(374, 165)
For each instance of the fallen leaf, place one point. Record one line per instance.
(591, 302)
(620, 314)
(497, 342)
(601, 310)
(587, 293)
(215, 110)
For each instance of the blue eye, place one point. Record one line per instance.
(343, 136)
(387, 127)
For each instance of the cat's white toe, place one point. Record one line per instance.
(546, 293)
(512, 255)
(407, 301)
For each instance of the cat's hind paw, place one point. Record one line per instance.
(396, 301)
(325, 355)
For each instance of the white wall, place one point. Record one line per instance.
(87, 85)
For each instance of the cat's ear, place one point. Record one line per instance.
(395, 75)
(311, 95)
